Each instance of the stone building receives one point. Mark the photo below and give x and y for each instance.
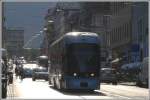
(120, 34)
(14, 41)
(115, 22)
(139, 48)
(60, 19)
(95, 18)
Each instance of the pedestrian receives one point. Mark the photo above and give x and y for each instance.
(16, 71)
(21, 72)
(17, 63)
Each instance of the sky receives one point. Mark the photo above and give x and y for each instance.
(28, 15)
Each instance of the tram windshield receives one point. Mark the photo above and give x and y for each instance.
(83, 58)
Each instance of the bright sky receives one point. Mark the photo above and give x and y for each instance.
(29, 15)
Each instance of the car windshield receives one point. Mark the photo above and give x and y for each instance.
(41, 70)
(27, 69)
(108, 71)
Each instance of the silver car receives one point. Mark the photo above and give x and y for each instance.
(40, 73)
(108, 75)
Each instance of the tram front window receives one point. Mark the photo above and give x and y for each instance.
(83, 58)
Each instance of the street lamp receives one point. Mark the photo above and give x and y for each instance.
(45, 29)
(50, 21)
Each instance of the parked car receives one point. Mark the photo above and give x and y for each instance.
(142, 79)
(40, 73)
(108, 75)
(129, 72)
(28, 72)
(132, 67)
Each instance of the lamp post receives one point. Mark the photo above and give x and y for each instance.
(45, 48)
(106, 23)
(49, 30)
(50, 21)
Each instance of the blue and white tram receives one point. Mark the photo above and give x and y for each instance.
(75, 61)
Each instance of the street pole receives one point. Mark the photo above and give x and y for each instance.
(0, 48)
(45, 50)
(48, 38)
(105, 23)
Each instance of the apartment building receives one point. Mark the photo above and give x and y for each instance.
(14, 41)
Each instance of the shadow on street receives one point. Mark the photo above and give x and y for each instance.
(79, 92)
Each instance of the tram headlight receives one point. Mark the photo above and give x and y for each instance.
(92, 74)
(74, 74)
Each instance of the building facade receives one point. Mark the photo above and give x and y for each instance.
(3, 28)
(120, 34)
(95, 17)
(15, 41)
(60, 19)
(120, 25)
(140, 31)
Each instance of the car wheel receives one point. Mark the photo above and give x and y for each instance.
(114, 83)
(139, 83)
(49, 81)
(147, 83)
(33, 79)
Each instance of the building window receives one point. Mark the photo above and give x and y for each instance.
(114, 35)
(117, 31)
(117, 34)
(113, 31)
(120, 33)
(140, 29)
(122, 28)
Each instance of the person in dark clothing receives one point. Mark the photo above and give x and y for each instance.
(16, 71)
(21, 73)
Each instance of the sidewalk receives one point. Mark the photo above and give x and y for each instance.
(11, 93)
(11, 88)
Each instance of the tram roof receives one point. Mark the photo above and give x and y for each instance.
(80, 33)
(75, 34)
